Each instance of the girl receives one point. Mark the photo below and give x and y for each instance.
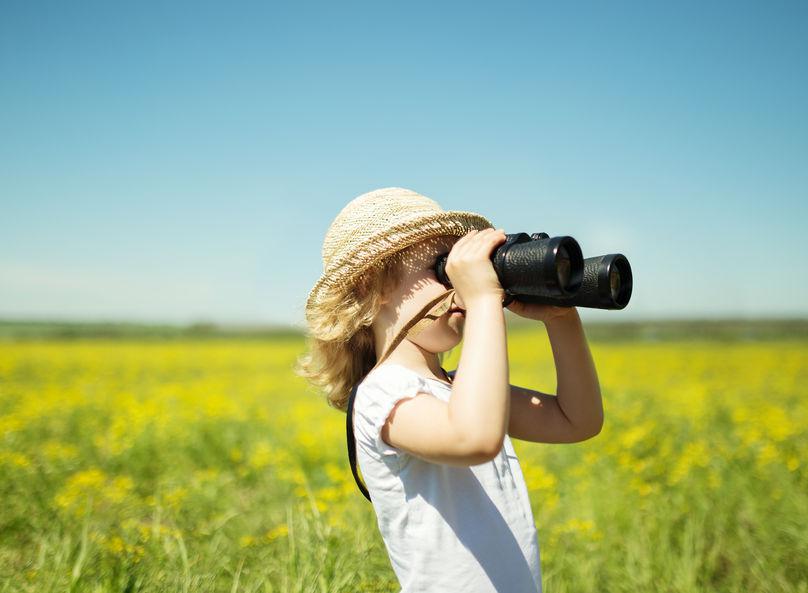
(444, 479)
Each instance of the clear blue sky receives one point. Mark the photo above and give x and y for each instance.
(182, 161)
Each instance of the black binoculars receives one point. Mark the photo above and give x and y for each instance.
(552, 271)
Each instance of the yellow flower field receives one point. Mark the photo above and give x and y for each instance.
(208, 466)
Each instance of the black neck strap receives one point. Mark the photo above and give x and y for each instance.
(352, 441)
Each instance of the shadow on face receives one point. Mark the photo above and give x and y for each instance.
(416, 263)
(418, 285)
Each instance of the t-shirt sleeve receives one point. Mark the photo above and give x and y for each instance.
(375, 399)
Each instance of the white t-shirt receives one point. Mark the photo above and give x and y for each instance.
(446, 528)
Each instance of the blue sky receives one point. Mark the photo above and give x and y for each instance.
(182, 161)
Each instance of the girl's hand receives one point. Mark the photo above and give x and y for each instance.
(543, 313)
(470, 269)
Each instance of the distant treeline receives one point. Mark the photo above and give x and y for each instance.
(14, 330)
(663, 330)
(722, 330)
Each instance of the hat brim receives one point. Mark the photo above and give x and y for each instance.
(345, 269)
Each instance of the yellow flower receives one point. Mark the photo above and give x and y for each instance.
(58, 451)
(115, 545)
(277, 532)
(13, 459)
(261, 455)
(538, 478)
(174, 497)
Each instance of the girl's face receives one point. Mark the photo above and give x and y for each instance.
(419, 285)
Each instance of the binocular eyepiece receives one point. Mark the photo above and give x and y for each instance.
(552, 271)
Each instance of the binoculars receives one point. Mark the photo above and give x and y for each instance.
(552, 271)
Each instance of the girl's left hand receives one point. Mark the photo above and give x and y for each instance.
(543, 313)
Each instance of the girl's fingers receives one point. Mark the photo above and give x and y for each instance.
(464, 239)
(480, 239)
(490, 241)
(467, 236)
(488, 237)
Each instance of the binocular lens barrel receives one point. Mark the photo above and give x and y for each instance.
(549, 267)
(607, 284)
(563, 267)
(539, 269)
(621, 281)
(614, 282)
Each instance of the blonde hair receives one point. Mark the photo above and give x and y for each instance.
(341, 343)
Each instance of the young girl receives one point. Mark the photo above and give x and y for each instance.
(435, 453)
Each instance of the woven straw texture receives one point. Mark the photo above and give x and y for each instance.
(378, 224)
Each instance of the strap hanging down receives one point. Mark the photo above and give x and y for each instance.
(352, 441)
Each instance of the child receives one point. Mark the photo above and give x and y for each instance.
(444, 479)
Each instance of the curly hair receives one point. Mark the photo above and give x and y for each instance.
(340, 339)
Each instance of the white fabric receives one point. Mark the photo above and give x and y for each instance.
(446, 528)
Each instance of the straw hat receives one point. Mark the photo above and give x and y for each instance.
(377, 224)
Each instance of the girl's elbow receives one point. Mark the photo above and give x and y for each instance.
(594, 429)
(477, 445)
(489, 449)
(599, 423)
(482, 445)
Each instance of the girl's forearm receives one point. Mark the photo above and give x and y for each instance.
(480, 403)
(578, 390)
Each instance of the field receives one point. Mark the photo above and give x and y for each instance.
(195, 464)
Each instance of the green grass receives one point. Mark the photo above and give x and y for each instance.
(202, 464)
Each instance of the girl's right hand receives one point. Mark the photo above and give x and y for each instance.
(470, 269)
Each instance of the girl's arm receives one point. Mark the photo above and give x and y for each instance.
(470, 427)
(576, 413)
